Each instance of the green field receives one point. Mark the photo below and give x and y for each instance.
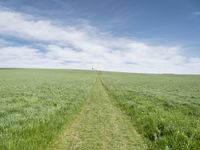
(37, 104)
(163, 108)
(90, 110)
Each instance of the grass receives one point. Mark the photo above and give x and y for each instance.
(100, 126)
(71, 109)
(37, 104)
(163, 108)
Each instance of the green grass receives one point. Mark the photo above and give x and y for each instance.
(164, 108)
(100, 126)
(39, 107)
(36, 104)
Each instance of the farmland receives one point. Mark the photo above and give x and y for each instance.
(37, 104)
(71, 109)
(163, 108)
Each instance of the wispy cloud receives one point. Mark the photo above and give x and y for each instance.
(196, 13)
(84, 47)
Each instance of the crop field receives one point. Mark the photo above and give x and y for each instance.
(91, 110)
(165, 109)
(36, 104)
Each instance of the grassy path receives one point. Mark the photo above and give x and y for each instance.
(99, 126)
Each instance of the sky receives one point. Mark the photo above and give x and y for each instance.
(142, 36)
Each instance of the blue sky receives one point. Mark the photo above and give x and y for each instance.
(157, 36)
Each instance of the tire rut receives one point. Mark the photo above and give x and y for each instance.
(99, 126)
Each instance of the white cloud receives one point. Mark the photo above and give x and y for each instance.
(75, 47)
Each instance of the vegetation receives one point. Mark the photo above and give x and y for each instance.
(100, 126)
(164, 108)
(69, 109)
(36, 104)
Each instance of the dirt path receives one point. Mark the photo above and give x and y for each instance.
(99, 126)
